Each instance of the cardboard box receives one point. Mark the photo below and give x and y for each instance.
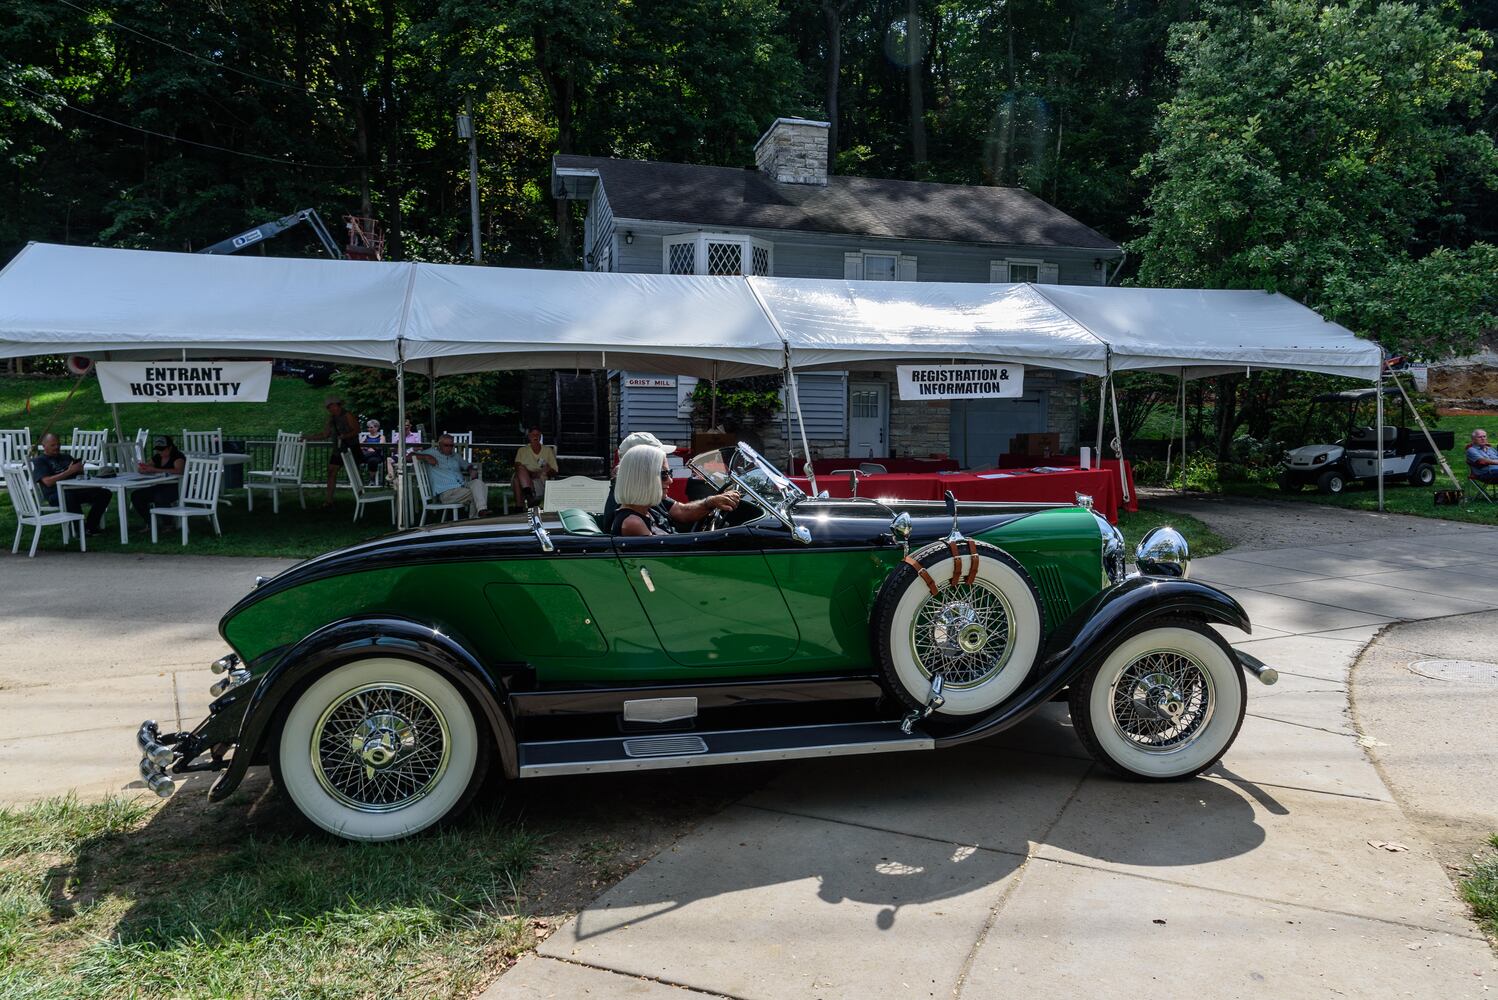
(1040, 443)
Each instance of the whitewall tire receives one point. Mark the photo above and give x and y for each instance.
(379, 749)
(1166, 702)
(981, 632)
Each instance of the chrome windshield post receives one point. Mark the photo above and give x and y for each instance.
(541, 536)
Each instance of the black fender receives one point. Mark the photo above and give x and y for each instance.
(352, 638)
(1093, 630)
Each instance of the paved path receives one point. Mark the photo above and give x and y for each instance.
(1017, 868)
(91, 646)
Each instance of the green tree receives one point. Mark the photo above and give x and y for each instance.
(1319, 149)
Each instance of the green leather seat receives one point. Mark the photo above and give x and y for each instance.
(579, 522)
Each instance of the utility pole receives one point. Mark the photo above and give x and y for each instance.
(466, 131)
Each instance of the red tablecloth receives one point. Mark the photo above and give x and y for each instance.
(827, 466)
(1011, 486)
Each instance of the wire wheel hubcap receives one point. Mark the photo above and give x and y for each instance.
(380, 747)
(965, 631)
(1162, 701)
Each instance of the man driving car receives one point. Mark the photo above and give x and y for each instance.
(644, 508)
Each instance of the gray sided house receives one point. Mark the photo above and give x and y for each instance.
(789, 218)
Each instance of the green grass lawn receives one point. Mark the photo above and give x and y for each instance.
(1202, 540)
(40, 403)
(1480, 890)
(189, 899)
(293, 533)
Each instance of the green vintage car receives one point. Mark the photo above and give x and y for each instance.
(384, 681)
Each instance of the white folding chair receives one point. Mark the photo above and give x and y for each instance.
(463, 444)
(202, 482)
(22, 492)
(362, 494)
(20, 443)
(285, 470)
(88, 447)
(575, 491)
(142, 441)
(428, 501)
(872, 469)
(203, 442)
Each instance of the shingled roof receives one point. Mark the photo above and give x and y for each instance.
(857, 206)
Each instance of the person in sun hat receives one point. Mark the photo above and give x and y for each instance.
(343, 430)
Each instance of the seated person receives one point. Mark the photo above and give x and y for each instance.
(644, 509)
(165, 458)
(1482, 458)
(634, 440)
(452, 479)
(534, 464)
(372, 458)
(54, 465)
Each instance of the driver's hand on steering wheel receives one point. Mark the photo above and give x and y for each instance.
(727, 500)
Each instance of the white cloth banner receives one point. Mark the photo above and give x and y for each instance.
(184, 381)
(973, 381)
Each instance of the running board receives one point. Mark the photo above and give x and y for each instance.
(734, 746)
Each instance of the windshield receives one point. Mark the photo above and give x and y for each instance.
(750, 471)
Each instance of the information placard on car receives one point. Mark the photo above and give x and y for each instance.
(978, 380)
(184, 381)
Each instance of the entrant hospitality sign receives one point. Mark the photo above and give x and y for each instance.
(184, 381)
(970, 381)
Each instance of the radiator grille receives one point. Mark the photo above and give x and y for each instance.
(664, 746)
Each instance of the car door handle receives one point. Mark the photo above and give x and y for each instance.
(649, 583)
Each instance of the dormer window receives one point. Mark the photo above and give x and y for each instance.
(717, 253)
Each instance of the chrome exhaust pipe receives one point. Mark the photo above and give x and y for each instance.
(223, 685)
(157, 753)
(1263, 671)
(156, 779)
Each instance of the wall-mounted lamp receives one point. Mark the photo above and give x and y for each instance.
(629, 237)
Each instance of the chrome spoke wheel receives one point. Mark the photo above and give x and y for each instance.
(964, 631)
(380, 747)
(1162, 701)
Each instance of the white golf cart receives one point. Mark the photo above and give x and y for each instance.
(1331, 467)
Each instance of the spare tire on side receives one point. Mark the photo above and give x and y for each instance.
(967, 610)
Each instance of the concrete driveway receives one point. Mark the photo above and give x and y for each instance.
(1017, 868)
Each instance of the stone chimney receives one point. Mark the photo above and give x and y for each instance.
(794, 151)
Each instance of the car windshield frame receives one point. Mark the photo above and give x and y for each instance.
(755, 476)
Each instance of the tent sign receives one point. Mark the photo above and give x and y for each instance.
(972, 381)
(184, 381)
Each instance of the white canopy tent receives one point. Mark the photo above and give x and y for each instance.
(454, 318)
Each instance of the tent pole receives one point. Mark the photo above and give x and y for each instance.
(1102, 400)
(432, 403)
(114, 408)
(1378, 438)
(790, 380)
(1183, 430)
(1123, 479)
(401, 479)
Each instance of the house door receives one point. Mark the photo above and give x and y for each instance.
(981, 428)
(868, 419)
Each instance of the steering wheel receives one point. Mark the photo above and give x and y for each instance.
(712, 522)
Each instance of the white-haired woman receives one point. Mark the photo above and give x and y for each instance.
(640, 489)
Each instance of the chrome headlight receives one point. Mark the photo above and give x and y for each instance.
(1115, 566)
(1163, 552)
(1321, 457)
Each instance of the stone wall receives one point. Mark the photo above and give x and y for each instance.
(794, 151)
(1469, 382)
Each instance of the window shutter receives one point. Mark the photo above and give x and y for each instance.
(853, 266)
(907, 268)
(998, 270)
(1050, 273)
